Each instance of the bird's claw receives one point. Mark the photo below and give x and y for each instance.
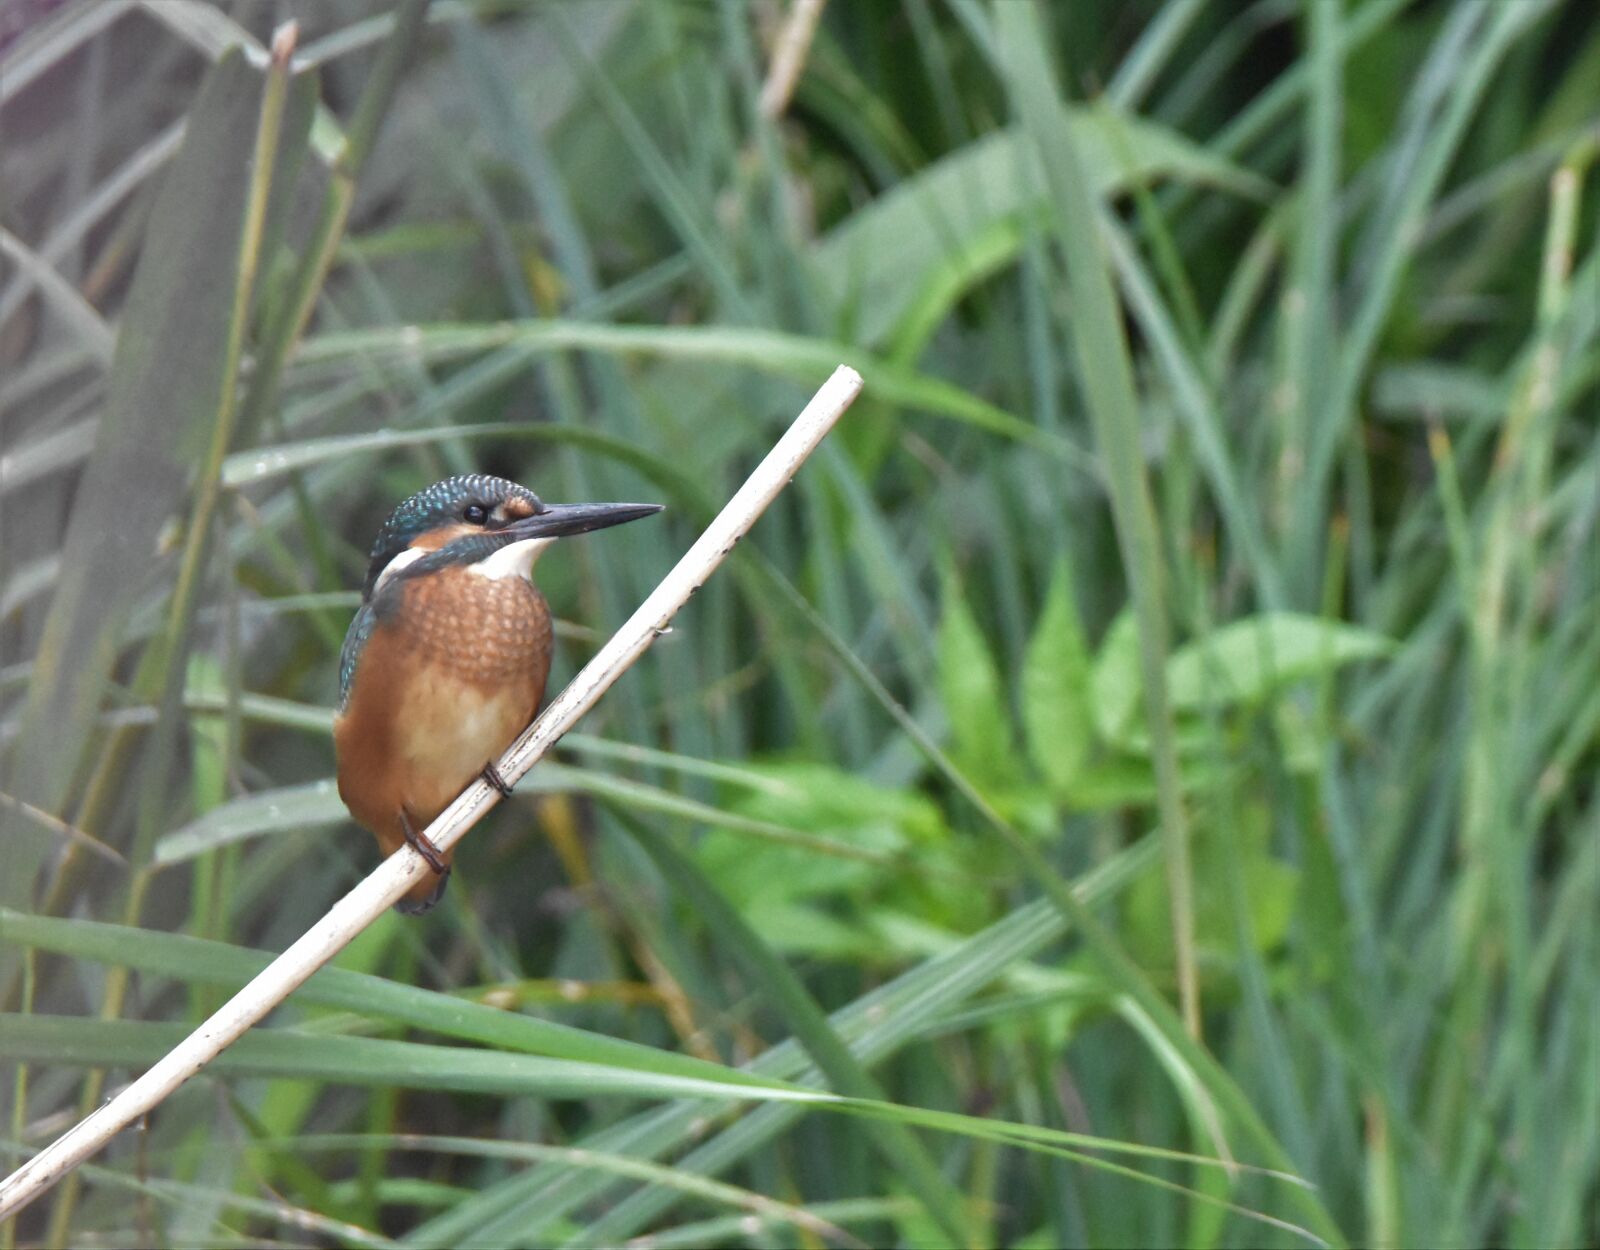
(491, 774)
(423, 846)
(413, 907)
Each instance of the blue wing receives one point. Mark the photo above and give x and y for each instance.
(355, 640)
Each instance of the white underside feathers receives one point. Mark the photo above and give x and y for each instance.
(409, 556)
(512, 560)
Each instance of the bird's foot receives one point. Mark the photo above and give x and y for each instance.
(421, 907)
(491, 774)
(423, 845)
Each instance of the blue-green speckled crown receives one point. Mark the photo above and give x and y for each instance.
(443, 503)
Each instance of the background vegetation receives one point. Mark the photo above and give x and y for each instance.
(1164, 718)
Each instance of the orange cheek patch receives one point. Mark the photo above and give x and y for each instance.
(443, 536)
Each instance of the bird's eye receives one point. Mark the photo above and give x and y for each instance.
(475, 514)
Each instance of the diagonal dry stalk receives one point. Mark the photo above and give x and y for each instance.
(789, 56)
(397, 874)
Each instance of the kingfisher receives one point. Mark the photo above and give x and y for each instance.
(446, 660)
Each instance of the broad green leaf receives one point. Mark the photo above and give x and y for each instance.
(1114, 781)
(289, 808)
(881, 257)
(1441, 392)
(1238, 663)
(215, 35)
(974, 705)
(822, 797)
(824, 802)
(767, 351)
(365, 1061)
(1270, 887)
(1244, 661)
(1115, 680)
(797, 929)
(271, 811)
(1056, 702)
(166, 378)
(208, 783)
(264, 463)
(760, 877)
(198, 961)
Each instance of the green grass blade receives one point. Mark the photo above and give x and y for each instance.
(810, 1025)
(1107, 378)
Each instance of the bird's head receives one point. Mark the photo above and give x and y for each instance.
(489, 523)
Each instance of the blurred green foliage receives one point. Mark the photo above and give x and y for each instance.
(1342, 693)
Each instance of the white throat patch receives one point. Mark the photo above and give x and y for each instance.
(409, 556)
(512, 560)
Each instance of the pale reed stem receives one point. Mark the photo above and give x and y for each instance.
(398, 873)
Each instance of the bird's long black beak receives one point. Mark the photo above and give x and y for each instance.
(560, 519)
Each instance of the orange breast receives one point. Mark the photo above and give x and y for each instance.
(451, 674)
